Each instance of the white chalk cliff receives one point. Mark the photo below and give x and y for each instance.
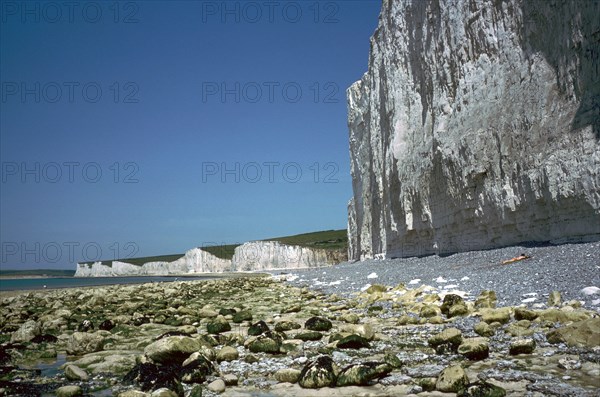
(194, 261)
(477, 125)
(272, 255)
(251, 256)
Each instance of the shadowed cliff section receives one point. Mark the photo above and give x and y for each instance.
(567, 33)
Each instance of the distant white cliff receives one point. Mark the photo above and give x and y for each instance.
(248, 257)
(272, 255)
(194, 261)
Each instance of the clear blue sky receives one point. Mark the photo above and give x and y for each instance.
(118, 125)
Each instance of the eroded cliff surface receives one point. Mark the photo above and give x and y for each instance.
(477, 125)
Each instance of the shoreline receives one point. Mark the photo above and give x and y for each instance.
(186, 277)
(28, 277)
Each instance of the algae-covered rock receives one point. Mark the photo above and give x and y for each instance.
(522, 346)
(196, 368)
(364, 330)
(362, 374)
(309, 335)
(258, 328)
(376, 288)
(450, 336)
(562, 316)
(26, 332)
(286, 325)
(584, 333)
(554, 299)
(458, 310)
(428, 311)
(69, 391)
(227, 353)
(482, 389)
(486, 299)
(449, 301)
(452, 379)
(218, 325)
(525, 314)
(353, 342)
(318, 324)
(475, 348)
(392, 360)
(318, 373)
(484, 329)
(289, 375)
(73, 372)
(172, 349)
(150, 377)
(501, 315)
(265, 344)
(244, 315)
(80, 343)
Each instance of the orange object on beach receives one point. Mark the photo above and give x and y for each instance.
(516, 259)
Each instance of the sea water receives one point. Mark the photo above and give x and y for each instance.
(70, 282)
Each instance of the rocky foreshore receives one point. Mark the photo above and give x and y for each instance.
(262, 336)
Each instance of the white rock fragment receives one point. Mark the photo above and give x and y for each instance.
(372, 275)
(415, 281)
(590, 290)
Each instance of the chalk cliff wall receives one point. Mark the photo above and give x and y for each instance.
(194, 261)
(271, 255)
(252, 256)
(477, 125)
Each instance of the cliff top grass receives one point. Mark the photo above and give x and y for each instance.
(326, 239)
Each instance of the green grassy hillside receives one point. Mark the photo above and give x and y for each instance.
(327, 239)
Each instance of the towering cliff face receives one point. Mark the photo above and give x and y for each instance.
(194, 261)
(271, 255)
(477, 125)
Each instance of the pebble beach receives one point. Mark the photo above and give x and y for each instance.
(460, 325)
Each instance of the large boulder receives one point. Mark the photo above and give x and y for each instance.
(584, 333)
(362, 374)
(475, 348)
(172, 349)
(196, 368)
(318, 373)
(80, 343)
(318, 324)
(449, 338)
(26, 332)
(73, 372)
(452, 379)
